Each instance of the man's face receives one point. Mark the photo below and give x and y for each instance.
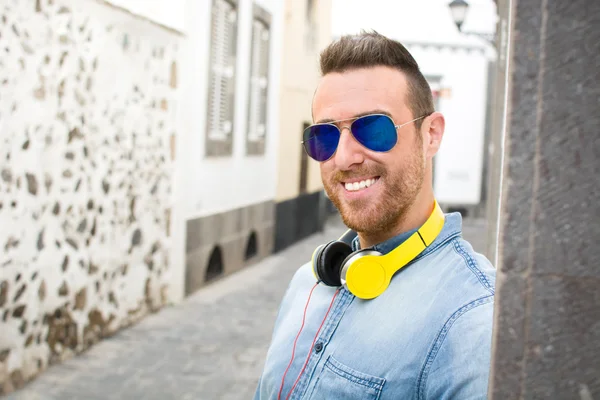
(398, 174)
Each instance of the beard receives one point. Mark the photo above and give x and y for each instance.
(399, 190)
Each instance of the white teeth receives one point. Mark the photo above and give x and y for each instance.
(352, 187)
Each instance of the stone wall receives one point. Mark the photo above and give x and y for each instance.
(547, 328)
(87, 115)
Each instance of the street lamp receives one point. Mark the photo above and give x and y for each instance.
(458, 9)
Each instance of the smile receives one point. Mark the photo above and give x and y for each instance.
(359, 185)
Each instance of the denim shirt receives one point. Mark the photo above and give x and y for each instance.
(428, 336)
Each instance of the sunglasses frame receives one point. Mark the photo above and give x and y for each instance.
(354, 119)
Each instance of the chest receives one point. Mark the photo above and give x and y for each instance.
(361, 350)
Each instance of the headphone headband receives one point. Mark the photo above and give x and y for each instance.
(368, 276)
(428, 231)
(367, 273)
(348, 237)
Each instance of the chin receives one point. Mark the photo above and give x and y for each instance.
(362, 219)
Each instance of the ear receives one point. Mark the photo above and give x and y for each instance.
(433, 131)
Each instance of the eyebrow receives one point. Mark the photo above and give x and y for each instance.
(377, 111)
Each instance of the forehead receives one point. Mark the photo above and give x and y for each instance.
(348, 94)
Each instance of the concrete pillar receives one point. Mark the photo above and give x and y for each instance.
(494, 143)
(547, 327)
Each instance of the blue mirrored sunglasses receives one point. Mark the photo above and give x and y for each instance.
(376, 132)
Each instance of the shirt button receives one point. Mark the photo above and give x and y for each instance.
(318, 347)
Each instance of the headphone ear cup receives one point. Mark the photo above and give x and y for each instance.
(329, 262)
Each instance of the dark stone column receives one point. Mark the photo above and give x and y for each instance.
(547, 328)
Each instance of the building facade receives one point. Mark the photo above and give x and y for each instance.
(138, 162)
(227, 180)
(301, 205)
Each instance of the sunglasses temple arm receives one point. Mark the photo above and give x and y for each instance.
(406, 123)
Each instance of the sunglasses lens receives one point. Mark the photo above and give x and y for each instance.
(375, 132)
(320, 141)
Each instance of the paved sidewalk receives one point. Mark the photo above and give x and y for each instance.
(212, 346)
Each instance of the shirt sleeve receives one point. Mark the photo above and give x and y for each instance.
(258, 389)
(460, 367)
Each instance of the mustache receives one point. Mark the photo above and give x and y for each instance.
(340, 176)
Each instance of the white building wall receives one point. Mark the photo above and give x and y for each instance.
(220, 184)
(170, 13)
(463, 102)
(208, 185)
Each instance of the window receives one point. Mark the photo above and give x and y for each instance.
(219, 126)
(259, 82)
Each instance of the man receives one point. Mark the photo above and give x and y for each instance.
(426, 332)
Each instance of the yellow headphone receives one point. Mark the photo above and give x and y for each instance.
(367, 273)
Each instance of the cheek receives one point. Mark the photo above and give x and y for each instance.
(410, 148)
(326, 168)
(392, 160)
(398, 161)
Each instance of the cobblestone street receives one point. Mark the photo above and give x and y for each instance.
(212, 346)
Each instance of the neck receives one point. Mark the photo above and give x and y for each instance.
(416, 215)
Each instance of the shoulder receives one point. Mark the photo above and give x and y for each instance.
(302, 281)
(467, 280)
(303, 277)
(464, 285)
(475, 262)
(458, 360)
(456, 256)
(460, 263)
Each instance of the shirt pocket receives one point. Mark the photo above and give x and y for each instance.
(337, 381)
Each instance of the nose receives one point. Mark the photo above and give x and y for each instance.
(349, 152)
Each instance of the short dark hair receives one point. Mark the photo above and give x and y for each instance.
(370, 49)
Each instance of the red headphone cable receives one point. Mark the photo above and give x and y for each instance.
(311, 347)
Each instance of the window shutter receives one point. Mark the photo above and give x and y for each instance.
(259, 79)
(219, 132)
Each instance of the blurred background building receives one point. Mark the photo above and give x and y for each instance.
(150, 147)
(459, 69)
(301, 204)
(144, 154)
(229, 149)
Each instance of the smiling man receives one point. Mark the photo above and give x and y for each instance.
(401, 306)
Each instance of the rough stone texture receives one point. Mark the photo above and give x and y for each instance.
(563, 337)
(85, 177)
(547, 337)
(212, 346)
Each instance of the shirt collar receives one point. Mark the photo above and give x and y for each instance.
(452, 227)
